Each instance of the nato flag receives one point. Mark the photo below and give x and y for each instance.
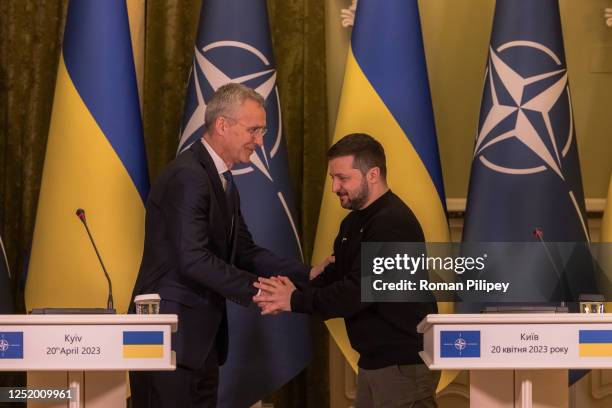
(233, 45)
(525, 171)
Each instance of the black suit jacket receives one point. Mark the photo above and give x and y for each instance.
(195, 256)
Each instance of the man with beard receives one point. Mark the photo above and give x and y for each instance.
(391, 373)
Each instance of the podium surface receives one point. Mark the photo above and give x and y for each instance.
(510, 341)
(517, 359)
(71, 351)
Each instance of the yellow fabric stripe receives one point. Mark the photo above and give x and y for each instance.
(595, 350)
(361, 110)
(143, 351)
(82, 170)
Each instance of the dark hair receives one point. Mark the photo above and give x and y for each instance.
(367, 152)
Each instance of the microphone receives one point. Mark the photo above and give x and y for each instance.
(81, 214)
(539, 234)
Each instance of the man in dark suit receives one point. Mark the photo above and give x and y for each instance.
(198, 251)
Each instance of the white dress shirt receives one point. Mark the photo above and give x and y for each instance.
(219, 163)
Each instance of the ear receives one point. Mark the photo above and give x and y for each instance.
(373, 175)
(221, 125)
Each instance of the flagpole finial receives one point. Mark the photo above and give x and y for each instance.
(348, 15)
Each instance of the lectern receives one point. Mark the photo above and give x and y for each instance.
(88, 354)
(517, 360)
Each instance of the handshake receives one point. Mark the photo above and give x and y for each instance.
(274, 295)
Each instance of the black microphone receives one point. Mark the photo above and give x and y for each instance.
(81, 214)
(539, 234)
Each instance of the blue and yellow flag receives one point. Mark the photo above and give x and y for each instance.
(386, 94)
(595, 343)
(143, 344)
(95, 160)
(234, 45)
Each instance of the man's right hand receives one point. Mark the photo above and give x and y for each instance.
(275, 296)
(316, 270)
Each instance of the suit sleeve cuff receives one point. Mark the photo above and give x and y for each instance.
(301, 301)
(302, 277)
(247, 298)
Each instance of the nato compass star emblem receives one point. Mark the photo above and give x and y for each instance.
(11, 345)
(533, 110)
(4, 345)
(261, 76)
(204, 68)
(460, 344)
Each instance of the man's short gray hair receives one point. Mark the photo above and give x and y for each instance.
(227, 99)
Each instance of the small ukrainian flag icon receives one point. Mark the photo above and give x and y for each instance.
(143, 344)
(595, 343)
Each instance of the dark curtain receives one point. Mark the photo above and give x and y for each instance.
(29, 53)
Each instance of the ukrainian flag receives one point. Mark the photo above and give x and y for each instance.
(386, 94)
(143, 344)
(595, 343)
(95, 160)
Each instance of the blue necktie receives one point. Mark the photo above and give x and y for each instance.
(229, 195)
(229, 185)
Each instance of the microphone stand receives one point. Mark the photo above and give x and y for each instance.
(539, 234)
(109, 303)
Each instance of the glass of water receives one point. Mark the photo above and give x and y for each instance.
(147, 303)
